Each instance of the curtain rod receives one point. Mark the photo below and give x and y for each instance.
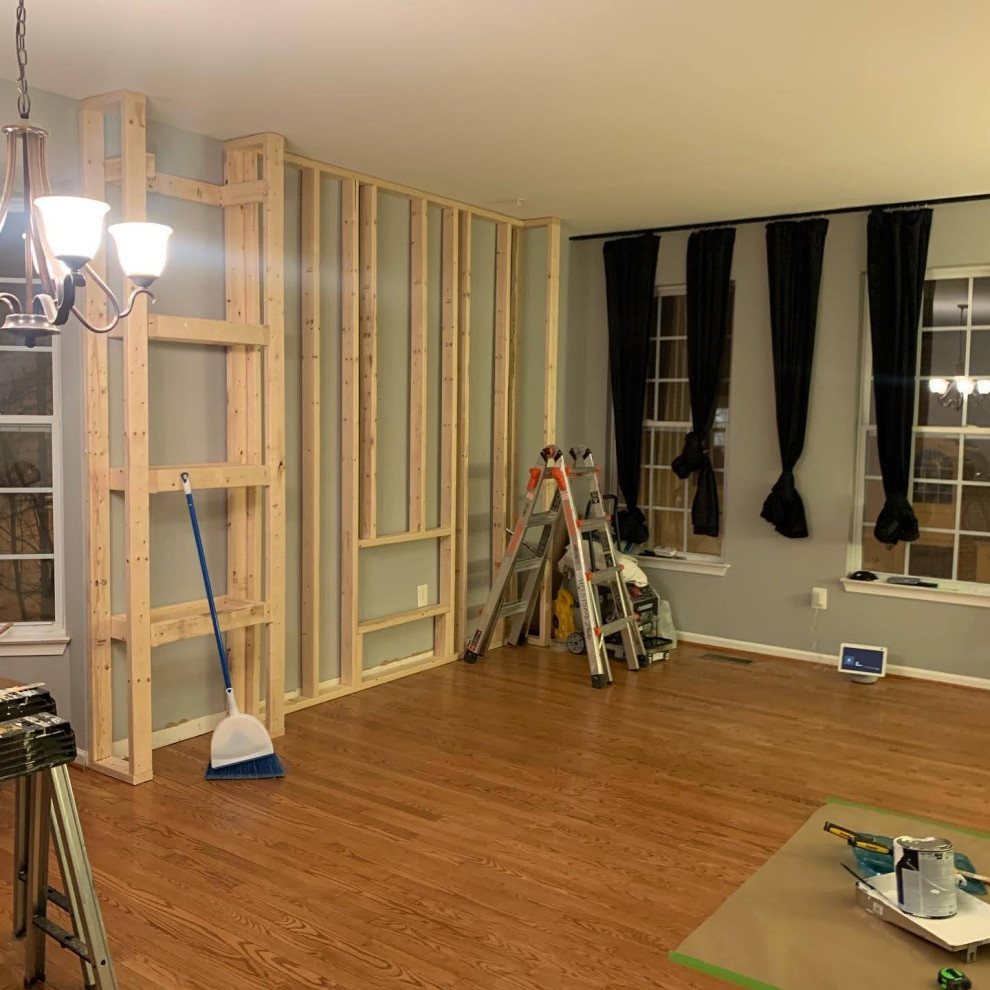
(782, 216)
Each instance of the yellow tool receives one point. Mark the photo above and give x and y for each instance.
(563, 615)
(857, 840)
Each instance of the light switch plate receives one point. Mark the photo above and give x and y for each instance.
(423, 595)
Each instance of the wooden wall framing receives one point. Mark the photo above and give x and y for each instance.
(252, 612)
(254, 473)
(359, 414)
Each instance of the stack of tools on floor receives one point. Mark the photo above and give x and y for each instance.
(36, 746)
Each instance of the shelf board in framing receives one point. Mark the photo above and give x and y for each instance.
(400, 618)
(199, 330)
(166, 478)
(172, 623)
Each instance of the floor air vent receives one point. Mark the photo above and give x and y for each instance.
(725, 658)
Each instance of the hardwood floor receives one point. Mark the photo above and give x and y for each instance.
(502, 825)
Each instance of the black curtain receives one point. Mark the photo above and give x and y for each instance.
(897, 252)
(709, 264)
(630, 277)
(794, 265)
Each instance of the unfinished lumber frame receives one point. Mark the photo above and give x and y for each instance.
(418, 363)
(444, 623)
(253, 474)
(502, 403)
(359, 413)
(252, 198)
(463, 433)
(311, 434)
(550, 332)
(359, 422)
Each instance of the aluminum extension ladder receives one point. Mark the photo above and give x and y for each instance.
(46, 810)
(527, 560)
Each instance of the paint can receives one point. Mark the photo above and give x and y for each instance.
(926, 876)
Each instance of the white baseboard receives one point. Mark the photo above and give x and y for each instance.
(895, 669)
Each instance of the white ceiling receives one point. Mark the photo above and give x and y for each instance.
(607, 113)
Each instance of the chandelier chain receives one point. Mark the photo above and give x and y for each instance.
(20, 36)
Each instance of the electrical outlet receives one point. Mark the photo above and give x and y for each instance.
(819, 598)
(423, 595)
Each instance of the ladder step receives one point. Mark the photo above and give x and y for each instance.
(593, 524)
(579, 471)
(59, 900)
(617, 624)
(526, 564)
(543, 518)
(512, 608)
(605, 576)
(64, 938)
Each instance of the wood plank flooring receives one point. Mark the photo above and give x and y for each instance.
(500, 826)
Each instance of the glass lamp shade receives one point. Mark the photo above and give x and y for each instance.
(983, 386)
(964, 385)
(142, 249)
(73, 227)
(938, 386)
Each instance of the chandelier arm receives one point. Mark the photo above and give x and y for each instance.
(11, 301)
(132, 298)
(118, 315)
(45, 184)
(89, 326)
(8, 180)
(110, 297)
(91, 273)
(42, 255)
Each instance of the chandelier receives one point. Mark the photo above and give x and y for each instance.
(951, 391)
(63, 234)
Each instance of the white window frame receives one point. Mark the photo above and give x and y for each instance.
(951, 591)
(42, 638)
(697, 563)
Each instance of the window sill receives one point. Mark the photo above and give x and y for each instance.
(948, 596)
(714, 568)
(37, 645)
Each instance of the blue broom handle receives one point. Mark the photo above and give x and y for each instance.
(206, 580)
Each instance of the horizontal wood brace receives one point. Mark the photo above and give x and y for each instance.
(186, 620)
(219, 475)
(411, 537)
(401, 618)
(193, 190)
(197, 330)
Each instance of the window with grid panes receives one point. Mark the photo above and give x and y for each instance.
(29, 469)
(664, 498)
(950, 487)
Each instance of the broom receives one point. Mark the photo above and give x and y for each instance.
(241, 748)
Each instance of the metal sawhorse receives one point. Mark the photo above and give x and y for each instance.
(46, 810)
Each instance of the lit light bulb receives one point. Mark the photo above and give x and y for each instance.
(142, 249)
(964, 385)
(938, 386)
(983, 386)
(73, 227)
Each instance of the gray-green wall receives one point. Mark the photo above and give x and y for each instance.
(765, 596)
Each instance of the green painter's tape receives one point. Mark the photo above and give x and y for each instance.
(903, 814)
(718, 972)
